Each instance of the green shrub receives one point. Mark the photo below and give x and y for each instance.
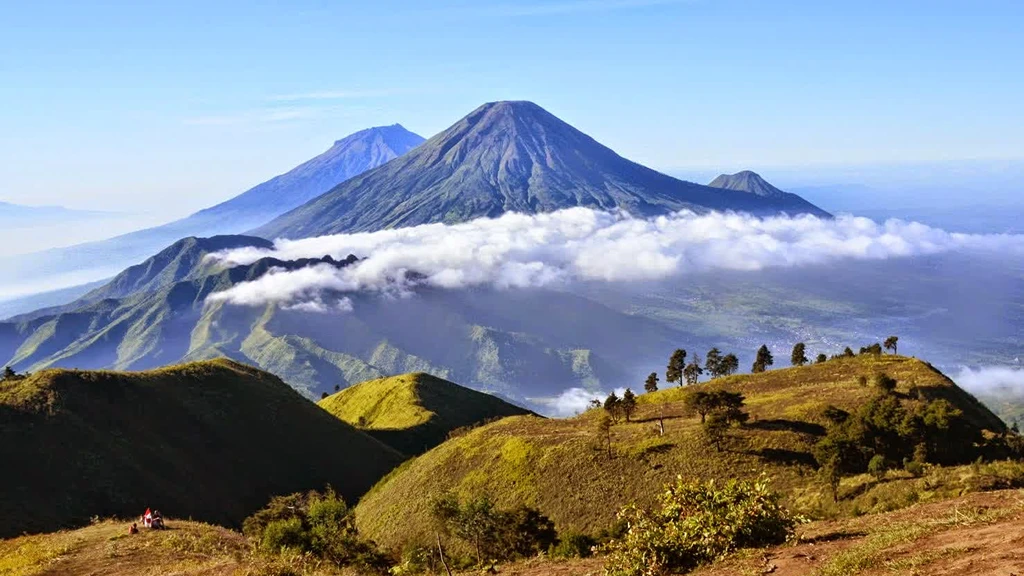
(877, 466)
(573, 545)
(699, 523)
(494, 534)
(281, 535)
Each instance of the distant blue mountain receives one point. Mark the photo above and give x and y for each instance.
(347, 158)
(22, 216)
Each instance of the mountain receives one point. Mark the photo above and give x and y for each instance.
(561, 466)
(65, 267)
(21, 216)
(751, 182)
(208, 440)
(507, 156)
(415, 412)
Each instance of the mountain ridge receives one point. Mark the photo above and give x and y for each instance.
(507, 156)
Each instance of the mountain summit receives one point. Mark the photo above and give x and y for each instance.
(747, 181)
(502, 157)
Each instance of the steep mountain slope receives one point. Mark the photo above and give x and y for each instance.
(414, 412)
(747, 181)
(562, 467)
(522, 343)
(211, 440)
(507, 156)
(95, 260)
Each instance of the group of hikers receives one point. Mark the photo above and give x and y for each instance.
(151, 519)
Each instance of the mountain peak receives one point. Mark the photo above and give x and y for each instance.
(391, 133)
(508, 156)
(747, 181)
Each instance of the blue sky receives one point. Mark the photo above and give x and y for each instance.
(170, 107)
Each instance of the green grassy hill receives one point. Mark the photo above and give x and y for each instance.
(562, 467)
(208, 440)
(415, 412)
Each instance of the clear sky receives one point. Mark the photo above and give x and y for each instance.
(172, 106)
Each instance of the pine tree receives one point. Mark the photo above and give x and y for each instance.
(890, 343)
(799, 356)
(604, 430)
(728, 365)
(676, 364)
(628, 403)
(763, 361)
(692, 372)
(651, 385)
(613, 405)
(713, 362)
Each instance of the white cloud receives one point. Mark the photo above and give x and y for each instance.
(518, 250)
(571, 402)
(999, 380)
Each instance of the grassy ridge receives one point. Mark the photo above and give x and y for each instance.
(209, 440)
(561, 466)
(414, 412)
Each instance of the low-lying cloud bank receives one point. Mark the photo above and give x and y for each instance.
(992, 380)
(571, 402)
(518, 250)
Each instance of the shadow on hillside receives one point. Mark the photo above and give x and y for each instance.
(833, 537)
(788, 457)
(787, 425)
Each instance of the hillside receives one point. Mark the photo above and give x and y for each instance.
(208, 440)
(562, 468)
(414, 412)
(348, 157)
(503, 157)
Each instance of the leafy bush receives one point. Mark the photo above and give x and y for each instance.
(316, 524)
(698, 523)
(877, 466)
(494, 534)
(573, 545)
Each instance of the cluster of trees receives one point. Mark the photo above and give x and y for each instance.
(719, 410)
(10, 374)
(492, 533)
(314, 525)
(886, 433)
(717, 364)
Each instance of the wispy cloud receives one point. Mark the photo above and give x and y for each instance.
(579, 6)
(273, 115)
(333, 95)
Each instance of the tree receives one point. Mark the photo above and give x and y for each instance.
(337, 387)
(714, 429)
(700, 402)
(821, 358)
(10, 374)
(890, 343)
(799, 355)
(875, 349)
(676, 365)
(693, 371)
(831, 472)
(763, 361)
(713, 361)
(877, 466)
(729, 364)
(848, 352)
(628, 403)
(323, 395)
(613, 405)
(651, 385)
(604, 429)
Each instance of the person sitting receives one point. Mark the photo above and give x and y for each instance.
(133, 529)
(147, 519)
(158, 520)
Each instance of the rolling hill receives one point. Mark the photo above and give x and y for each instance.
(415, 412)
(92, 261)
(209, 440)
(562, 468)
(502, 157)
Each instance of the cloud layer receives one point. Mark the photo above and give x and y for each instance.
(992, 380)
(518, 250)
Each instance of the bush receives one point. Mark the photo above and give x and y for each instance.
(573, 545)
(877, 466)
(494, 534)
(320, 525)
(699, 523)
